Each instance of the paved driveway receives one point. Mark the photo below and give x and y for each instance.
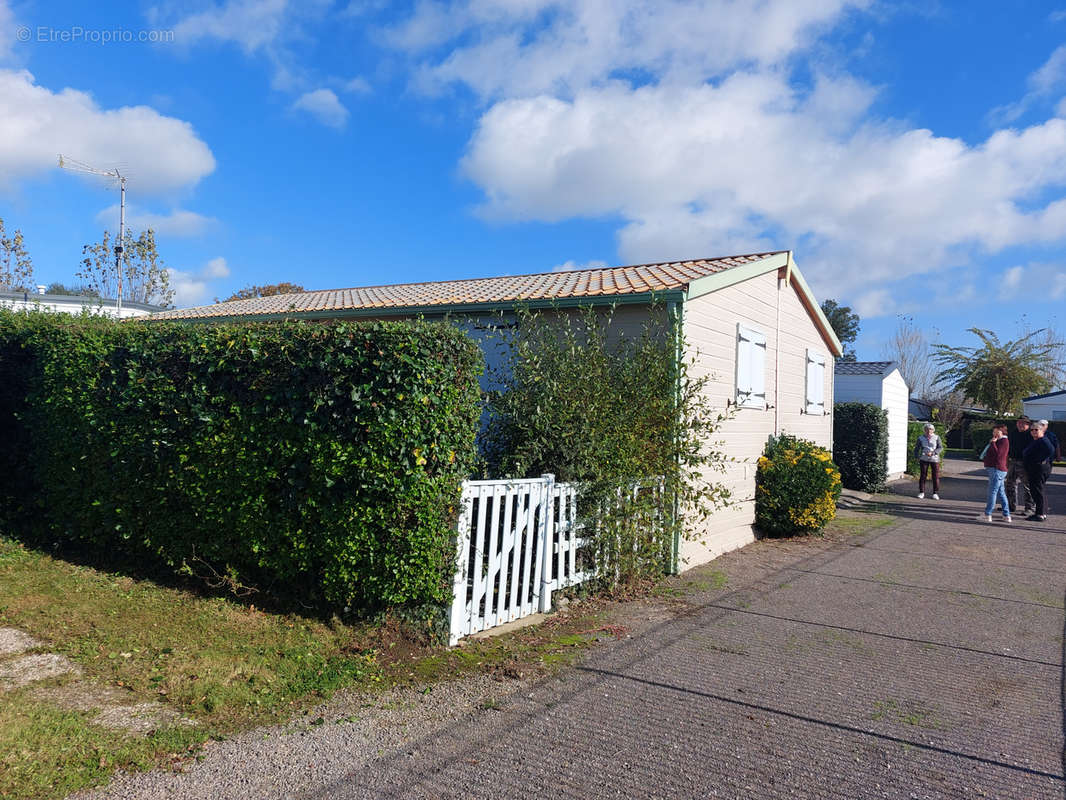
(923, 662)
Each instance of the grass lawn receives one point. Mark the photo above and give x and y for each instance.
(224, 664)
(227, 665)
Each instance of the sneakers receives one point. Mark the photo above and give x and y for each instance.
(921, 495)
(936, 496)
(1036, 517)
(985, 517)
(1007, 520)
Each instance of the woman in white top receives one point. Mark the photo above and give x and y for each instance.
(927, 450)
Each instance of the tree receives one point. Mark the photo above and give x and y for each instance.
(74, 290)
(845, 324)
(271, 289)
(909, 348)
(16, 267)
(999, 374)
(948, 409)
(145, 279)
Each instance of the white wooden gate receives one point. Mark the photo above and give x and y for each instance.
(518, 541)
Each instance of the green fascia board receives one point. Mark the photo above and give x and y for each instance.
(816, 308)
(665, 296)
(729, 277)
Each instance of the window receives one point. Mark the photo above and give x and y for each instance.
(751, 368)
(815, 383)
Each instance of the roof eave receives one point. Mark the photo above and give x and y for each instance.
(663, 296)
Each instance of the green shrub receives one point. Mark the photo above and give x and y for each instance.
(980, 436)
(860, 445)
(796, 487)
(315, 461)
(914, 430)
(578, 398)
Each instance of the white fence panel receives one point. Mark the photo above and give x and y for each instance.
(518, 542)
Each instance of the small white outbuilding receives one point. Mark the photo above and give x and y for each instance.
(1048, 406)
(880, 383)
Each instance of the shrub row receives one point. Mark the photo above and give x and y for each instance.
(914, 430)
(319, 461)
(860, 445)
(796, 487)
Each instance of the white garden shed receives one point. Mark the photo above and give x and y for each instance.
(880, 383)
(1048, 406)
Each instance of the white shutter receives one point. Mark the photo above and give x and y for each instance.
(815, 383)
(751, 368)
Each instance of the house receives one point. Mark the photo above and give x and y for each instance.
(72, 304)
(880, 383)
(751, 324)
(1046, 406)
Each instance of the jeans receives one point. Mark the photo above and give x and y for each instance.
(996, 491)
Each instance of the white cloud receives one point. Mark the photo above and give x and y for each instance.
(752, 164)
(1039, 281)
(192, 288)
(1012, 279)
(216, 268)
(521, 48)
(358, 85)
(158, 153)
(1045, 83)
(178, 222)
(324, 106)
(569, 265)
(251, 24)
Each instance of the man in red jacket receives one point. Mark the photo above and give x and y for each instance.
(996, 466)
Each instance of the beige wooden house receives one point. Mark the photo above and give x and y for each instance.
(751, 322)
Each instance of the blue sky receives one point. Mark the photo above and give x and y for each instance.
(913, 155)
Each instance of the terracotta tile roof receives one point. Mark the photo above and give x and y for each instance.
(604, 282)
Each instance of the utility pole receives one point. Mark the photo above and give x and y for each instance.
(114, 174)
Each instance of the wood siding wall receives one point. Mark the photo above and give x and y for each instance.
(710, 324)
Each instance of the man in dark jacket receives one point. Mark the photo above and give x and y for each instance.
(1037, 460)
(1017, 478)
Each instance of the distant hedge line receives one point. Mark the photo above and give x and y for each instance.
(321, 461)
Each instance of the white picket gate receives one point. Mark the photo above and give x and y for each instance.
(518, 541)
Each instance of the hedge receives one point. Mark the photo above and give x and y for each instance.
(860, 445)
(321, 461)
(914, 430)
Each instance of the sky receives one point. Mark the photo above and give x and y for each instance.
(912, 155)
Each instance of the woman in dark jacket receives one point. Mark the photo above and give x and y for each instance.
(1037, 460)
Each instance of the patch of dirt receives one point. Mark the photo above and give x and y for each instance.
(13, 641)
(38, 667)
(143, 718)
(81, 696)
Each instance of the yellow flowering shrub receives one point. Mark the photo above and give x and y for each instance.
(797, 486)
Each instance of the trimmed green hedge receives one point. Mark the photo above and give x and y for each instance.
(796, 487)
(860, 445)
(316, 461)
(914, 430)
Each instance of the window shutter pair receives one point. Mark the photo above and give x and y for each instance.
(815, 383)
(751, 368)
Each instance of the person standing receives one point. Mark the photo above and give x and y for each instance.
(1037, 459)
(1017, 478)
(995, 462)
(927, 450)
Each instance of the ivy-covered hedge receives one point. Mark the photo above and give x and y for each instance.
(860, 445)
(319, 461)
(796, 487)
(914, 430)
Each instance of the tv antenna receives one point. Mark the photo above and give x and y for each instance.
(78, 166)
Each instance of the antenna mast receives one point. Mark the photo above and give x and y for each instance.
(78, 166)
